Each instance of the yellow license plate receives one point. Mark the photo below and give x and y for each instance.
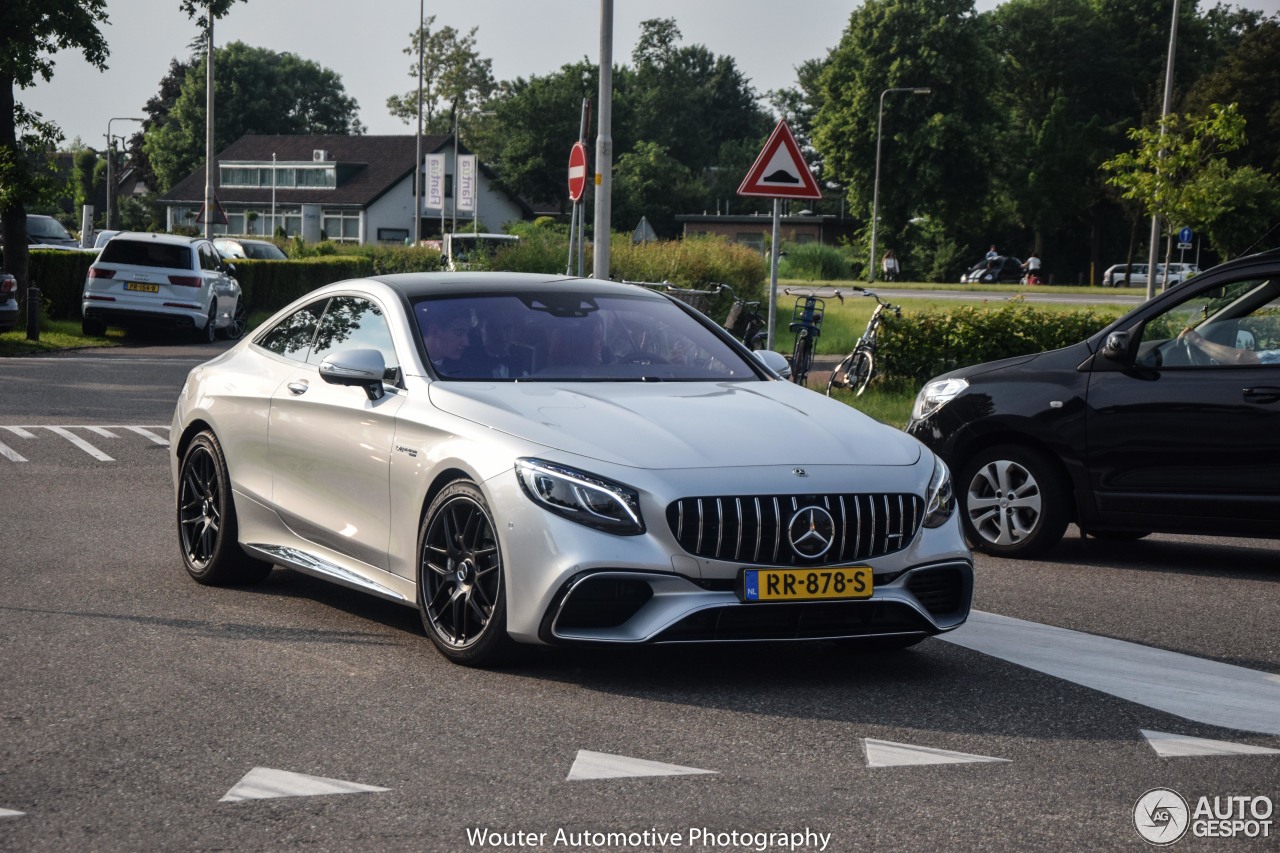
(142, 288)
(816, 584)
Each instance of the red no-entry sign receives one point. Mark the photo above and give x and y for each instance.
(577, 171)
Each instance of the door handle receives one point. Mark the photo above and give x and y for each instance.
(297, 387)
(1263, 394)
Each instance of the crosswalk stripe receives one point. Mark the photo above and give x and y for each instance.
(20, 432)
(102, 431)
(80, 443)
(146, 433)
(11, 454)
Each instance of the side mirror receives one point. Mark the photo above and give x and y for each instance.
(358, 367)
(229, 268)
(775, 361)
(1116, 346)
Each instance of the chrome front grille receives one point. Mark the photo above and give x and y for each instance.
(752, 529)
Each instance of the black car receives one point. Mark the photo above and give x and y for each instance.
(1167, 420)
(1005, 269)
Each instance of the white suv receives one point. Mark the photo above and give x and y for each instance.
(1178, 273)
(163, 280)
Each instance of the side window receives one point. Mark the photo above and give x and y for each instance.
(292, 336)
(1228, 325)
(208, 257)
(351, 323)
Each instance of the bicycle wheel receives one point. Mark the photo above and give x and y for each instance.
(840, 376)
(864, 365)
(802, 358)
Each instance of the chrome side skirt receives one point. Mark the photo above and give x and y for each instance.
(312, 565)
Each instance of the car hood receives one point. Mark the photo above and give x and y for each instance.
(681, 425)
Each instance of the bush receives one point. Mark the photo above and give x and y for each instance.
(60, 276)
(813, 262)
(917, 347)
(691, 262)
(269, 285)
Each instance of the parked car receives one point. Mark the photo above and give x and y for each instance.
(163, 280)
(465, 250)
(8, 302)
(1143, 427)
(1004, 269)
(1178, 273)
(101, 239)
(257, 250)
(45, 231)
(546, 460)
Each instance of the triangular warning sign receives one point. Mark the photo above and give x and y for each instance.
(217, 215)
(1183, 746)
(264, 783)
(602, 765)
(886, 753)
(780, 170)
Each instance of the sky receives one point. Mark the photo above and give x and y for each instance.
(363, 40)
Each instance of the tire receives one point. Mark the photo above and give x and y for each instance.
(206, 513)
(840, 376)
(1013, 501)
(461, 582)
(206, 334)
(239, 322)
(864, 366)
(92, 328)
(802, 359)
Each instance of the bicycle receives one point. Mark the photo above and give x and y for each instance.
(806, 324)
(859, 367)
(744, 320)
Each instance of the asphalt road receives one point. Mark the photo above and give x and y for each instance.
(140, 711)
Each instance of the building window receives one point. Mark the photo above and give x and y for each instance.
(259, 177)
(341, 225)
(754, 239)
(393, 235)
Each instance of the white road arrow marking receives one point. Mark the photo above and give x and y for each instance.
(1182, 746)
(1206, 691)
(602, 765)
(262, 783)
(886, 753)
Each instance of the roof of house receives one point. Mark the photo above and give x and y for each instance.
(371, 166)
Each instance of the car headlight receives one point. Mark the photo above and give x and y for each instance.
(936, 394)
(942, 497)
(581, 497)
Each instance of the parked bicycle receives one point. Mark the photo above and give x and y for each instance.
(806, 324)
(744, 320)
(859, 367)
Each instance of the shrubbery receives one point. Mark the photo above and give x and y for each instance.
(814, 262)
(269, 285)
(919, 346)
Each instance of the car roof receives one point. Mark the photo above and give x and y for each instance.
(173, 239)
(415, 285)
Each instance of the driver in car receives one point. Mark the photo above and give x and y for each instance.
(1224, 354)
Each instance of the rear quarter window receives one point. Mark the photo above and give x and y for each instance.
(147, 254)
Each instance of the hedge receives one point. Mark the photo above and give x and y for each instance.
(919, 346)
(270, 285)
(60, 275)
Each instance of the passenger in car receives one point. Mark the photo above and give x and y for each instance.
(446, 332)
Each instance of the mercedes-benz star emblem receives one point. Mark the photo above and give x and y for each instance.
(811, 532)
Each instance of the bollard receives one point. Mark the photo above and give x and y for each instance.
(33, 313)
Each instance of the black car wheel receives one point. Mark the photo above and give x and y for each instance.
(461, 594)
(206, 334)
(1014, 502)
(239, 322)
(207, 528)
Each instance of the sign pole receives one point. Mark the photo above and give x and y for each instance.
(773, 270)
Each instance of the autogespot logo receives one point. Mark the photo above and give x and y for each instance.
(1160, 816)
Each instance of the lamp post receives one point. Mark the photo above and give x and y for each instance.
(1153, 248)
(110, 184)
(875, 192)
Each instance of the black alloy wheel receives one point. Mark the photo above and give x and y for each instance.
(207, 527)
(461, 595)
(239, 322)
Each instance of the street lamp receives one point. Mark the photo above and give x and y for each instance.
(875, 193)
(110, 184)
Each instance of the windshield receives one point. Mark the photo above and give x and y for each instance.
(566, 336)
(46, 229)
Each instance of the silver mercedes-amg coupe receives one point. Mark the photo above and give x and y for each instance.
(547, 460)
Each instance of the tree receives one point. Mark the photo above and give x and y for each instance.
(1249, 77)
(1177, 165)
(257, 91)
(453, 75)
(650, 182)
(31, 32)
(936, 150)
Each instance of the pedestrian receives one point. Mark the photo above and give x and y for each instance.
(1031, 268)
(992, 254)
(889, 266)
